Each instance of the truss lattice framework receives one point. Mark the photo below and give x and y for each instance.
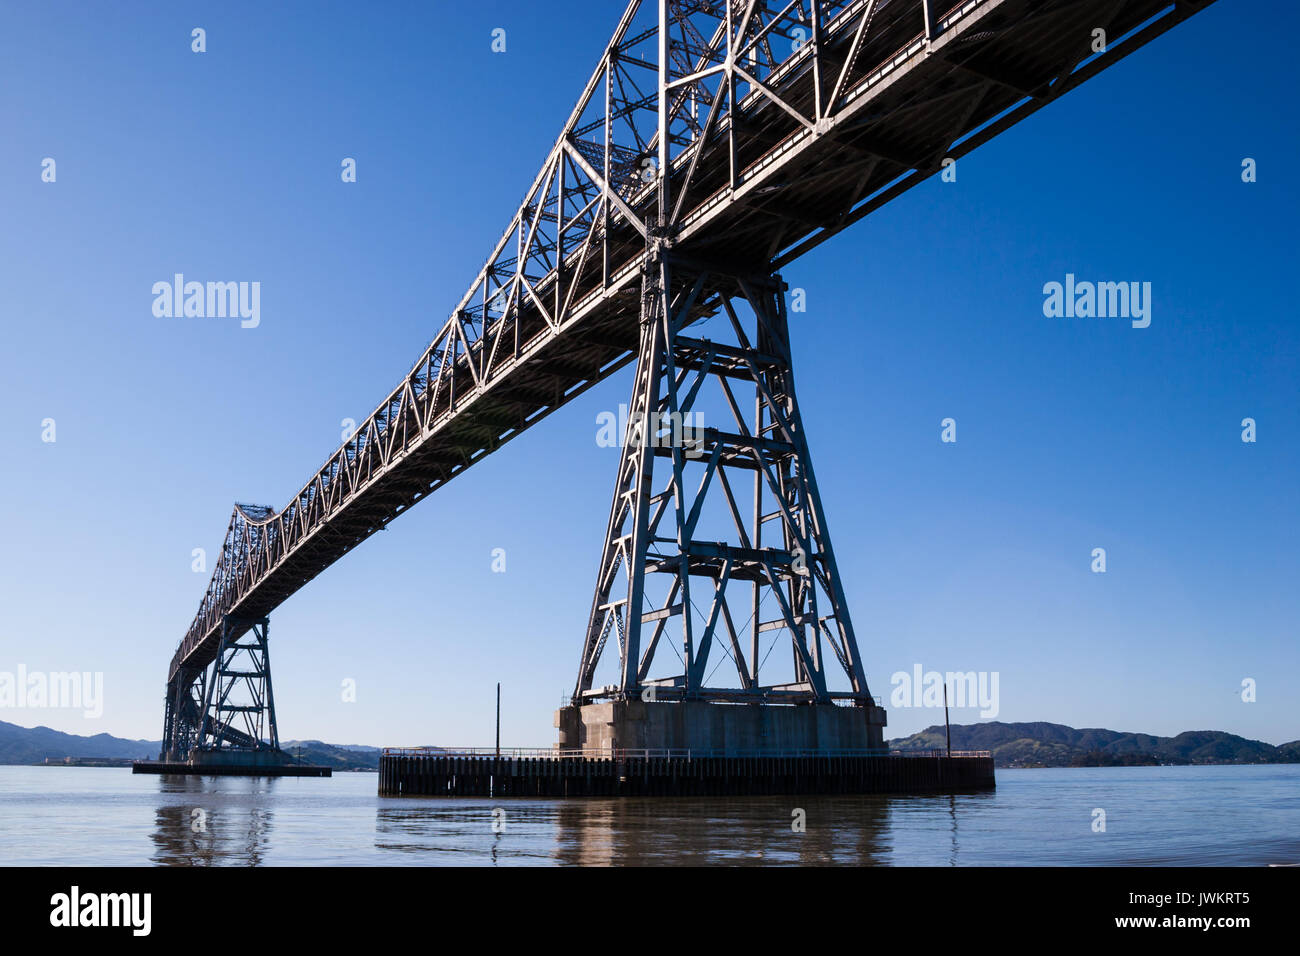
(758, 469)
(748, 129)
(230, 705)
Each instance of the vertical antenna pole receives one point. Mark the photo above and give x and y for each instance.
(946, 727)
(664, 199)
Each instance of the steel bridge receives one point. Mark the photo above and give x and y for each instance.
(715, 142)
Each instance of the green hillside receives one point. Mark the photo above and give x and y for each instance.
(1056, 745)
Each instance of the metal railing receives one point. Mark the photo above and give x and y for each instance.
(553, 753)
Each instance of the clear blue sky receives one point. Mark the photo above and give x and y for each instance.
(1072, 433)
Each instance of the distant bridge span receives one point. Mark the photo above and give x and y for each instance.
(737, 135)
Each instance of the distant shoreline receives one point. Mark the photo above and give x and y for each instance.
(1021, 746)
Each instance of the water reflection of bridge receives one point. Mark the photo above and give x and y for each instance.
(206, 821)
(245, 822)
(854, 831)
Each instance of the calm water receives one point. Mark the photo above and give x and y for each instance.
(1156, 815)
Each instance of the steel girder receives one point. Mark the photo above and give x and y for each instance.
(742, 129)
(779, 546)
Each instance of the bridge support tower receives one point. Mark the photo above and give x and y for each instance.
(729, 555)
(225, 714)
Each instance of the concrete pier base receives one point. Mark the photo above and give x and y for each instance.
(229, 770)
(241, 758)
(270, 762)
(705, 726)
(684, 748)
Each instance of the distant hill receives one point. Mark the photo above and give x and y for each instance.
(1013, 745)
(1056, 745)
(34, 745)
(28, 745)
(333, 755)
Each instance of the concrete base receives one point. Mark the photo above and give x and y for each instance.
(241, 758)
(229, 770)
(232, 763)
(717, 727)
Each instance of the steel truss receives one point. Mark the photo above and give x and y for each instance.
(780, 555)
(753, 129)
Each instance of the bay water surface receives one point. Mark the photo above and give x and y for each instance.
(1230, 815)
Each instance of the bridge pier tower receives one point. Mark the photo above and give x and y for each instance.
(730, 554)
(225, 714)
(185, 693)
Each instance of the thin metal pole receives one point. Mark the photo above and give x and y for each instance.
(496, 760)
(270, 693)
(665, 206)
(946, 727)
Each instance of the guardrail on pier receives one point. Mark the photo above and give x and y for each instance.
(535, 753)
